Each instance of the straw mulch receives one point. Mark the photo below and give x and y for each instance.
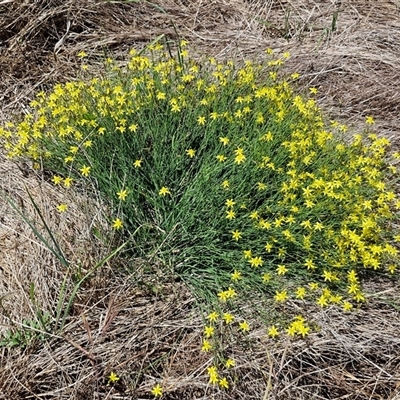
(146, 326)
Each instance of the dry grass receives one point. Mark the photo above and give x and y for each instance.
(146, 327)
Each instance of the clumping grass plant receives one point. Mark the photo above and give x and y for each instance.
(227, 175)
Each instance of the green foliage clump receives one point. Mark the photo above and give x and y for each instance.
(29, 331)
(225, 173)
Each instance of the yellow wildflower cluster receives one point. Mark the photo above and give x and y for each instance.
(224, 168)
(212, 338)
(298, 327)
(215, 379)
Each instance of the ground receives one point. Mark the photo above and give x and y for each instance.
(147, 323)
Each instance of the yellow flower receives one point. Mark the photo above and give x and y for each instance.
(213, 317)
(236, 275)
(133, 128)
(281, 270)
(212, 371)
(336, 299)
(229, 363)
(214, 115)
(347, 306)
(227, 294)
(224, 140)
(208, 331)
(396, 238)
(117, 224)
(206, 346)
(230, 214)
(318, 226)
(352, 276)
(300, 293)
(229, 203)
(309, 264)
(298, 327)
(391, 268)
(266, 277)
(369, 120)
(221, 157)
(191, 153)
(247, 254)
(223, 383)
(121, 128)
(273, 332)
(313, 90)
(281, 252)
(122, 194)
(201, 120)
(294, 209)
(67, 182)
(353, 288)
(306, 224)
(188, 78)
(228, 318)
(303, 330)
(157, 390)
(62, 208)
(244, 326)
(225, 184)
(85, 170)
(329, 276)
(256, 262)
(213, 374)
(230, 293)
(240, 158)
(322, 301)
(281, 296)
(223, 296)
(254, 215)
(236, 235)
(137, 163)
(359, 296)
(300, 318)
(260, 118)
(175, 108)
(113, 377)
(57, 179)
(279, 221)
(164, 191)
(367, 205)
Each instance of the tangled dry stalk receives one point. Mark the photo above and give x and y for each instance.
(348, 49)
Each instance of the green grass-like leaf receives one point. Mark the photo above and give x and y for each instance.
(224, 168)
